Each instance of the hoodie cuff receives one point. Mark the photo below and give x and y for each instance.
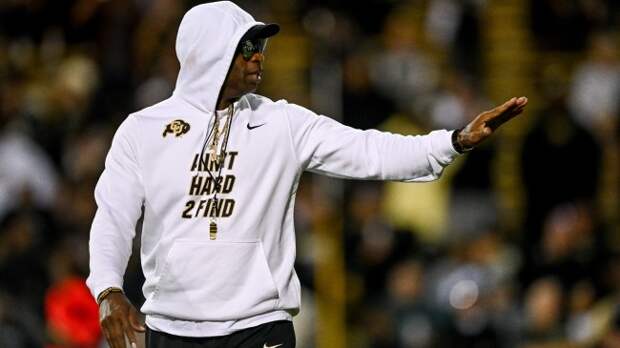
(98, 286)
(445, 151)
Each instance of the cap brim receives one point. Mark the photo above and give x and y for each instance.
(261, 31)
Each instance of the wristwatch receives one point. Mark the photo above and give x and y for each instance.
(455, 143)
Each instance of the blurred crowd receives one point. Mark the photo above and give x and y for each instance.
(425, 265)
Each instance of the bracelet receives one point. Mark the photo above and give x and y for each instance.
(106, 292)
(456, 145)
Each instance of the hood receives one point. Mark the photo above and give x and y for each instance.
(205, 46)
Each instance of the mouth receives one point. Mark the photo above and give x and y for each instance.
(256, 75)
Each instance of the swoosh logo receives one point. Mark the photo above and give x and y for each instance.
(250, 128)
(265, 345)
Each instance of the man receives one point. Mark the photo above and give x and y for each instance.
(215, 169)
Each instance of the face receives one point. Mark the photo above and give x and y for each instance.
(245, 75)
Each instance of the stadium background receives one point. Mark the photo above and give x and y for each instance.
(518, 245)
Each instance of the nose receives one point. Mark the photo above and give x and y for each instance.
(258, 56)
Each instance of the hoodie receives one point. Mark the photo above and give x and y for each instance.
(196, 286)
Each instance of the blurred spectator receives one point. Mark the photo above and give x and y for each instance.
(472, 290)
(560, 160)
(413, 318)
(72, 314)
(84, 154)
(457, 103)
(28, 177)
(566, 249)
(594, 98)
(23, 279)
(455, 26)
(22, 243)
(580, 323)
(544, 301)
(68, 102)
(373, 243)
(14, 332)
(611, 338)
(400, 69)
(363, 106)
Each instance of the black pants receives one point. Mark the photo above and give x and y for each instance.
(277, 334)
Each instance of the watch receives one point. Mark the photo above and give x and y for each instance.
(457, 146)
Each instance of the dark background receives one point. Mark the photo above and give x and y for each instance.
(518, 244)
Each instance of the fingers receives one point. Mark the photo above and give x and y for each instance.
(117, 326)
(505, 112)
(516, 111)
(510, 103)
(135, 322)
(131, 335)
(521, 101)
(114, 332)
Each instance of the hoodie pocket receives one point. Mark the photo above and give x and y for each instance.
(215, 280)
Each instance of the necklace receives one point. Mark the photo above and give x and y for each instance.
(217, 159)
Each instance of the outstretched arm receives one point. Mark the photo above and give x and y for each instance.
(324, 146)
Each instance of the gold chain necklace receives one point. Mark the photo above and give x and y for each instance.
(218, 158)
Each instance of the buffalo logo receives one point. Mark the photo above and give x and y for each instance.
(176, 127)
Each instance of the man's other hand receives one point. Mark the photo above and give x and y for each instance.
(119, 319)
(487, 122)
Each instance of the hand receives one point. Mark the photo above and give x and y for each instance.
(487, 122)
(119, 318)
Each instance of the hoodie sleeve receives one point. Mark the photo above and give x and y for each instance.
(325, 146)
(119, 195)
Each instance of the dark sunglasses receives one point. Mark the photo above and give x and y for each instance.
(248, 48)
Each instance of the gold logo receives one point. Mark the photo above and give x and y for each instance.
(176, 127)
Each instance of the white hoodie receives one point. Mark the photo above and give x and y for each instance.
(200, 287)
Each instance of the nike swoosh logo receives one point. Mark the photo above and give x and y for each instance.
(265, 345)
(250, 128)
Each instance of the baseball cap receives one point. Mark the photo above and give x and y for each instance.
(261, 31)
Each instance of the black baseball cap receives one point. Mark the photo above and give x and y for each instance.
(261, 31)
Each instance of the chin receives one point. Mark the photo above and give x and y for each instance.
(252, 87)
(251, 84)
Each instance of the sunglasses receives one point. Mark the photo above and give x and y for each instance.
(248, 48)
